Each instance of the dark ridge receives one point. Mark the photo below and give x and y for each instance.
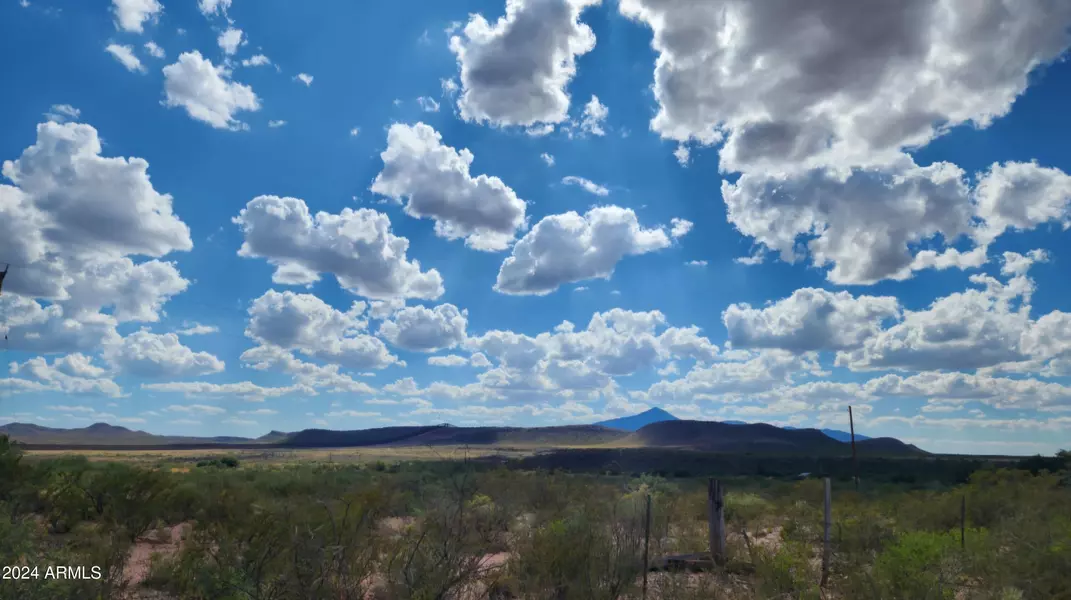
(326, 438)
(712, 436)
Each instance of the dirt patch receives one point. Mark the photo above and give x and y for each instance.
(394, 526)
(166, 541)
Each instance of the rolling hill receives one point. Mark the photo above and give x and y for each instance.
(708, 436)
(713, 436)
(656, 415)
(104, 434)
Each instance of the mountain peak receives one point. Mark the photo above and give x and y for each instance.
(634, 422)
(105, 427)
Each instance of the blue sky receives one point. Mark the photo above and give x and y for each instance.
(227, 217)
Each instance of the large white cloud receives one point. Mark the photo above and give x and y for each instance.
(33, 327)
(69, 229)
(870, 224)
(1021, 196)
(761, 373)
(958, 388)
(515, 71)
(426, 330)
(136, 292)
(570, 247)
(866, 225)
(329, 377)
(357, 247)
(207, 92)
(81, 203)
(151, 355)
(434, 180)
(567, 361)
(964, 330)
(793, 85)
(70, 374)
(817, 102)
(130, 15)
(809, 319)
(307, 324)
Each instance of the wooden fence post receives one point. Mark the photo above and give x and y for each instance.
(716, 520)
(826, 548)
(646, 546)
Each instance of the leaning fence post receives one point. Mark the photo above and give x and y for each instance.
(646, 545)
(716, 520)
(826, 549)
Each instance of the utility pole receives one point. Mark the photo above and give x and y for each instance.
(855, 458)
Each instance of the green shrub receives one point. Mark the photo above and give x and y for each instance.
(919, 565)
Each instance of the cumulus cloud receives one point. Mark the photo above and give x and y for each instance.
(328, 377)
(68, 226)
(150, 355)
(595, 114)
(959, 388)
(547, 158)
(680, 227)
(761, 373)
(70, 374)
(820, 135)
(130, 15)
(153, 49)
(865, 226)
(964, 330)
(212, 7)
(791, 85)
(229, 40)
(257, 60)
(207, 92)
(422, 329)
(587, 185)
(515, 71)
(809, 320)
(304, 78)
(32, 327)
(570, 247)
(435, 183)
(125, 56)
(450, 360)
(683, 155)
(84, 202)
(357, 247)
(305, 323)
(576, 364)
(1021, 196)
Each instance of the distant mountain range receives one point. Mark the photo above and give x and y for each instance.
(655, 428)
(657, 415)
(105, 434)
